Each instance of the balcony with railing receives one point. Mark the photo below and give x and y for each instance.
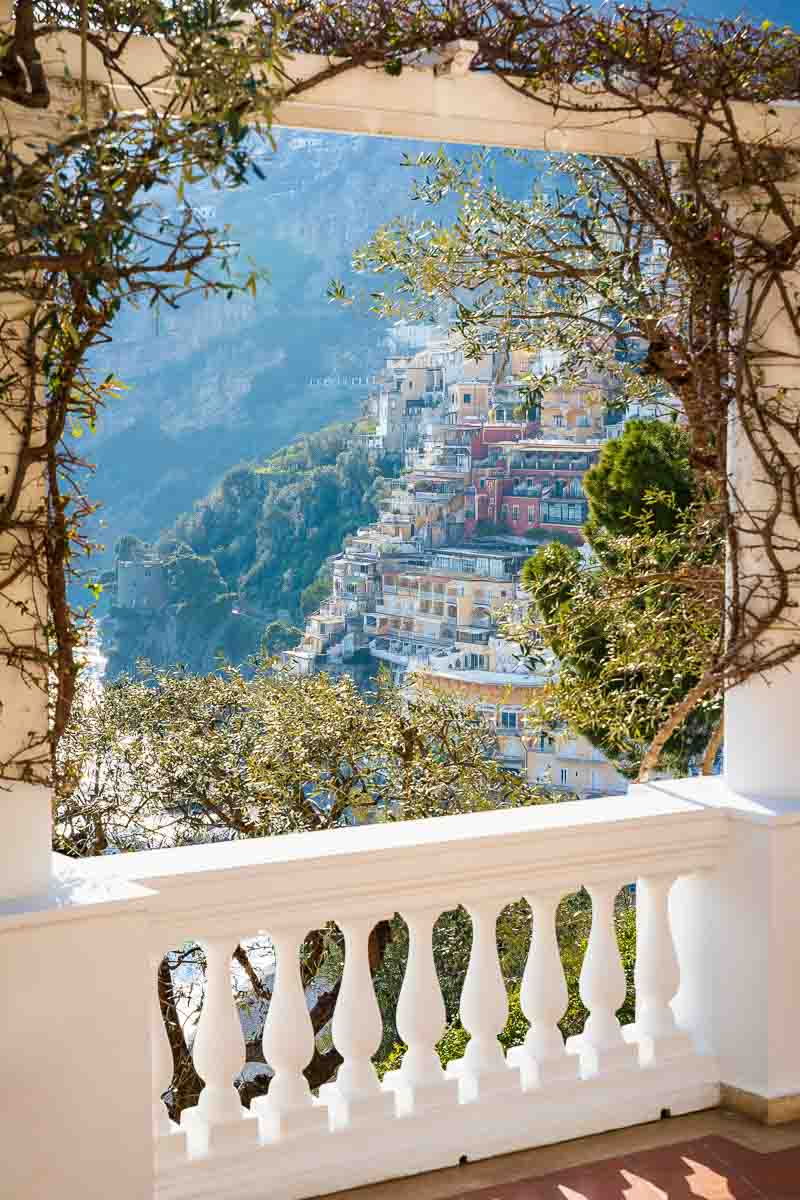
(329, 608)
(563, 512)
(476, 635)
(562, 463)
(419, 1118)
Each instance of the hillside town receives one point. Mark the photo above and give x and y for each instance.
(492, 468)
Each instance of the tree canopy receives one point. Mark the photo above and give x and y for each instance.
(172, 758)
(253, 552)
(644, 473)
(635, 624)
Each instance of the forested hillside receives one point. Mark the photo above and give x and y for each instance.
(214, 382)
(247, 561)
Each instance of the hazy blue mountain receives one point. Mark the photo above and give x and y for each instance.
(219, 382)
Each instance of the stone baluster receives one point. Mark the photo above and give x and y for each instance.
(218, 1123)
(288, 1042)
(420, 1082)
(656, 975)
(484, 1011)
(169, 1141)
(356, 1095)
(602, 989)
(542, 1059)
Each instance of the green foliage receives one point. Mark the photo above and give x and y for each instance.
(629, 649)
(194, 579)
(317, 591)
(648, 457)
(279, 636)
(535, 258)
(174, 758)
(253, 551)
(270, 527)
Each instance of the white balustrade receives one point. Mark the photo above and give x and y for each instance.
(357, 1030)
(656, 974)
(484, 1012)
(602, 989)
(420, 1082)
(542, 1059)
(421, 1117)
(169, 1139)
(288, 1044)
(218, 1122)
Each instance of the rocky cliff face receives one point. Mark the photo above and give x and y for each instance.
(218, 382)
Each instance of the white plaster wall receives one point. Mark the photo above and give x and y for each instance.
(75, 1100)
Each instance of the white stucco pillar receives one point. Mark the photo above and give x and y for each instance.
(737, 928)
(762, 754)
(25, 800)
(25, 808)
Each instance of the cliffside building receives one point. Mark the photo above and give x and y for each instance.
(421, 589)
(142, 584)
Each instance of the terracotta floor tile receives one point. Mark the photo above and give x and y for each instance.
(706, 1156)
(685, 1171)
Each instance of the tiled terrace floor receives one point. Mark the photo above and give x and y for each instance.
(708, 1156)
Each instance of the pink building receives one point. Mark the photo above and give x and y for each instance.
(524, 484)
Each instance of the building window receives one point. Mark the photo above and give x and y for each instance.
(563, 774)
(515, 512)
(508, 720)
(483, 483)
(558, 420)
(468, 397)
(531, 516)
(504, 512)
(563, 514)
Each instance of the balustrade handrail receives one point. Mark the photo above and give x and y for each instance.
(442, 859)
(420, 1117)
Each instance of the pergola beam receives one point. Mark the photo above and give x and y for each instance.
(471, 108)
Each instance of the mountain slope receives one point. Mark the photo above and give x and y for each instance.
(217, 381)
(247, 559)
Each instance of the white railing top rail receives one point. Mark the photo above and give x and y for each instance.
(248, 884)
